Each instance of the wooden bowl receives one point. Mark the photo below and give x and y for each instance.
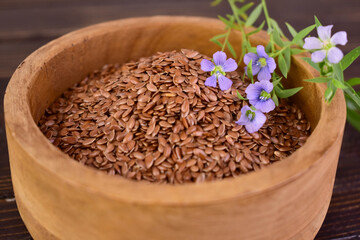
(59, 198)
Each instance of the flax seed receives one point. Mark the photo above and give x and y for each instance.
(155, 120)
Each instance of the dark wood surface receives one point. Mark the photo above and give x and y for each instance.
(25, 25)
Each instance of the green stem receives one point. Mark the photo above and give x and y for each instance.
(263, 2)
(239, 22)
(268, 22)
(226, 39)
(275, 54)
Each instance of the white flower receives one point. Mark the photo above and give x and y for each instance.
(325, 45)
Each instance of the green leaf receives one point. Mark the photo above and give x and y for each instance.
(249, 47)
(353, 118)
(231, 49)
(352, 94)
(239, 95)
(338, 84)
(277, 38)
(282, 65)
(275, 99)
(276, 79)
(217, 43)
(353, 81)
(314, 65)
(330, 91)
(241, 11)
(317, 22)
(295, 51)
(292, 30)
(276, 26)
(254, 15)
(268, 47)
(303, 33)
(249, 71)
(257, 29)
(350, 58)
(350, 104)
(318, 80)
(329, 94)
(287, 55)
(215, 3)
(285, 93)
(338, 72)
(228, 23)
(218, 37)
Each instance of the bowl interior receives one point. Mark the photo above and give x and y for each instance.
(133, 41)
(61, 63)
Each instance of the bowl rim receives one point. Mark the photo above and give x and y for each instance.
(47, 157)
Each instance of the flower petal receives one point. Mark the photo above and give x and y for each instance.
(211, 81)
(257, 122)
(324, 32)
(230, 65)
(261, 51)
(243, 118)
(339, 38)
(318, 56)
(312, 43)
(244, 109)
(264, 74)
(250, 56)
(264, 106)
(260, 118)
(206, 65)
(219, 58)
(255, 69)
(335, 55)
(271, 64)
(224, 83)
(266, 85)
(253, 91)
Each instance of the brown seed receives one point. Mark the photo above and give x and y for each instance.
(230, 140)
(210, 166)
(152, 126)
(232, 166)
(167, 151)
(200, 153)
(88, 141)
(160, 160)
(130, 145)
(162, 140)
(151, 87)
(110, 157)
(264, 159)
(138, 155)
(165, 124)
(128, 137)
(148, 120)
(70, 140)
(185, 106)
(149, 160)
(174, 138)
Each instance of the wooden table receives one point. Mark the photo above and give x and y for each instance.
(26, 25)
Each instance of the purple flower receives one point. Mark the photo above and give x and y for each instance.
(261, 63)
(325, 45)
(252, 119)
(259, 96)
(218, 70)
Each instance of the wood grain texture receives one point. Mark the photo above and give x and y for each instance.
(43, 20)
(288, 200)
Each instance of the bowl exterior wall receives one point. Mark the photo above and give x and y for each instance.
(56, 210)
(54, 206)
